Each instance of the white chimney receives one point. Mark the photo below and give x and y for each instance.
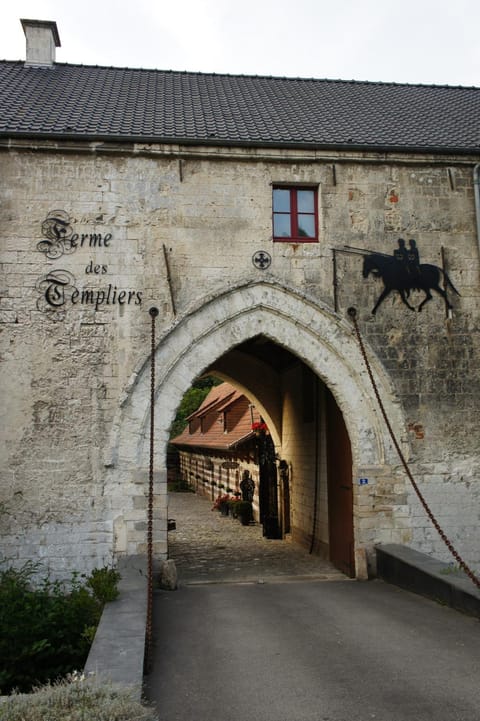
(42, 39)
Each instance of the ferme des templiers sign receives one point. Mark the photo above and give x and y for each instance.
(58, 289)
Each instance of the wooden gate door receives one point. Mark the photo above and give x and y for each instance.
(267, 472)
(340, 490)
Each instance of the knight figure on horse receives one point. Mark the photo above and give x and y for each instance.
(403, 272)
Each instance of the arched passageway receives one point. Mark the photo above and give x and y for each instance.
(297, 360)
(304, 476)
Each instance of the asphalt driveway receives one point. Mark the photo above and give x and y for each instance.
(260, 630)
(312, 651)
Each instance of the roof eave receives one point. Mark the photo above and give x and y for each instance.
(244, 439)
(196, 443)
(111, 141)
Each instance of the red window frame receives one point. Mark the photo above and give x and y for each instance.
(293, 214)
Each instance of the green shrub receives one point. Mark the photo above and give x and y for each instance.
(244, 511)
(45, 630)
(180, 486)
(76, 700)
(103, 583)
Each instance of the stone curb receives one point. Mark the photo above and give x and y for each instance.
(428, 577)
(118, 649)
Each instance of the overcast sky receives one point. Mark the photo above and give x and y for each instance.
(408, 41)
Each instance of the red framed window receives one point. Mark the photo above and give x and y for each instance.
(295, 214)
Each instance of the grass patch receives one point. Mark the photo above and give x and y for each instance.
(180, 486)
(452, 569)
(76, 699)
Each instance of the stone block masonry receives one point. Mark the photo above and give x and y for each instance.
(75, 333)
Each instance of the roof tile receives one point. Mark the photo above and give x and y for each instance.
(168, 106)
(221, 399)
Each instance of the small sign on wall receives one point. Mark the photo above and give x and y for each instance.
(362, 481)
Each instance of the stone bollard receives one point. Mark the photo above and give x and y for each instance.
(361, 564)
(168, 575)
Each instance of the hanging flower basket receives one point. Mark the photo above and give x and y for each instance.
(259, 427)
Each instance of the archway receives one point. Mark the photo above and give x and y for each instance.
(319, 338)
(305, 478)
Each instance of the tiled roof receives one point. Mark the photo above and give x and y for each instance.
(221, 399)
(218, 398)
(122, 104)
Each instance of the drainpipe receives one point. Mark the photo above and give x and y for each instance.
(476, 193)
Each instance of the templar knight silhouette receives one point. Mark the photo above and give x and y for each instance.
(403, 272)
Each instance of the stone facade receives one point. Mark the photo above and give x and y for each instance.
(176, 227)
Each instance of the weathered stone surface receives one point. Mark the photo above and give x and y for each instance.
(168, 575)
(75, 388)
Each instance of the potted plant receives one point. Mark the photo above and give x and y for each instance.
(221, 504)
(233, 505)
(244, 511)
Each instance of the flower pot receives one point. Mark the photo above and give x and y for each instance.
(244, 512)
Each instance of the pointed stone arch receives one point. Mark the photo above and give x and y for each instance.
(322, 339)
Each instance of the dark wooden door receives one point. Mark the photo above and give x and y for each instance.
(267, 471)
(340, 490)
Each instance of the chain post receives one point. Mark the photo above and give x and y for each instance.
(148, 633)
(352, 312)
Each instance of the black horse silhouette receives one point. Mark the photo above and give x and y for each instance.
(399, 276)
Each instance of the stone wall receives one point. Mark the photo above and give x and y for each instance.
(178, 230)
(304, 446)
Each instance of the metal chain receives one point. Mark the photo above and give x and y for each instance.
(352, 312)
(148, 633)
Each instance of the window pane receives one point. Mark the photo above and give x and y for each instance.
(306, 226)
(305, 202)
(281, 226)
(281, 200)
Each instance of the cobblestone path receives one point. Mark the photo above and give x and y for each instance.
(210, 548)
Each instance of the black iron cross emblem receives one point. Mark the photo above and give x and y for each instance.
(261, 259)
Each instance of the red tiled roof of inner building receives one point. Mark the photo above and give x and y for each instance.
(222, 394)
(221, 399)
